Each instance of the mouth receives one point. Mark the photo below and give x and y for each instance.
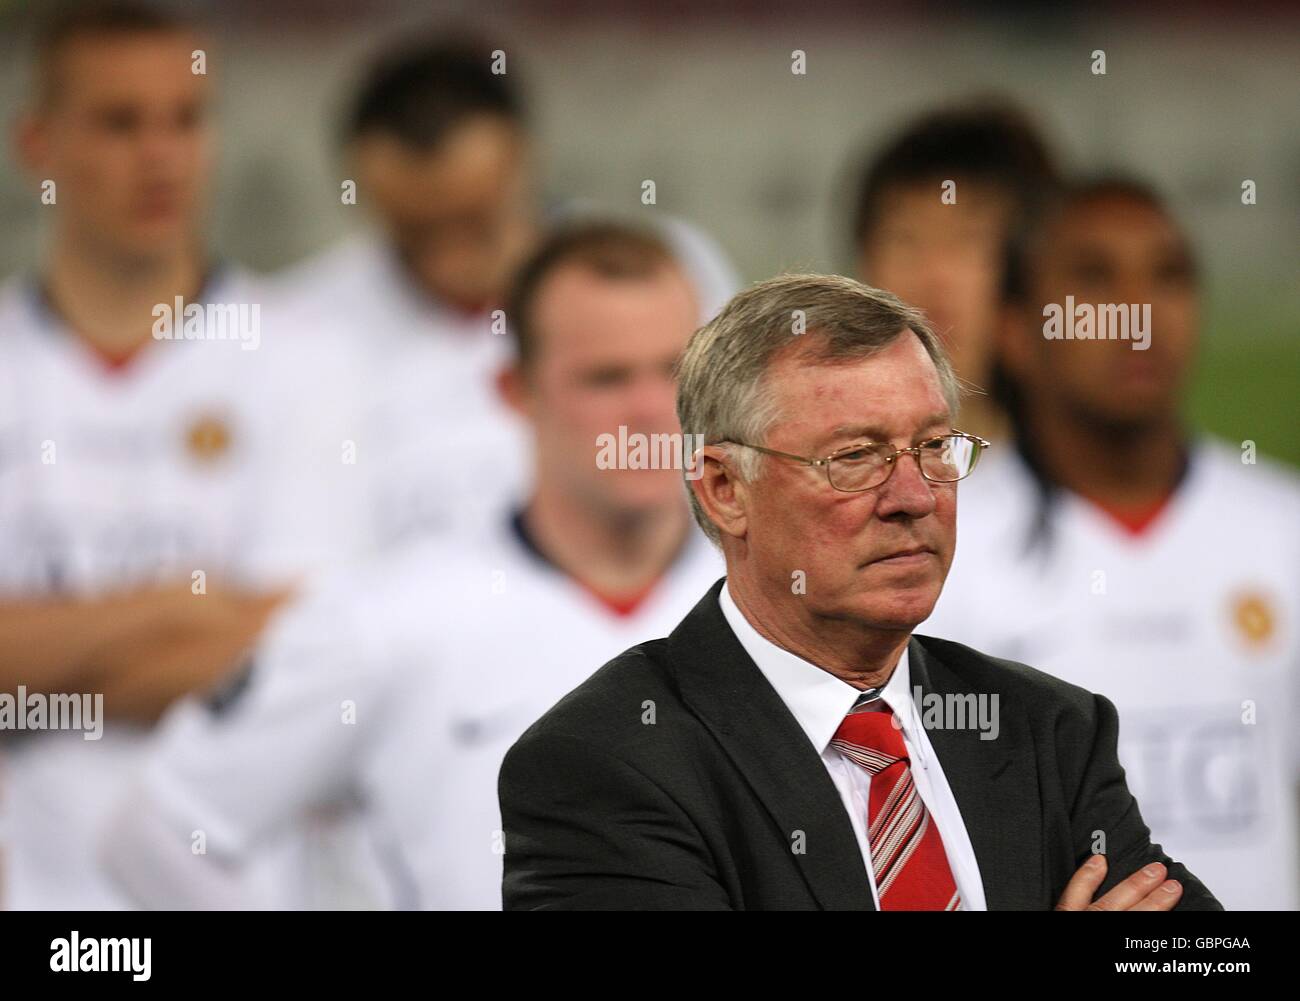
(912, 556)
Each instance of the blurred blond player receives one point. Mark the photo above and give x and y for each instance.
(401, 689)
(440, 147)
(139, 557)
(1122, 552)
(940, 213)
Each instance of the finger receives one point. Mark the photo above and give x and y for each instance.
(1083, 884)
(1127, 893)
(1163, 898)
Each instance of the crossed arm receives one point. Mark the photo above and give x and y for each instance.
(141, 649)
(1131, 873)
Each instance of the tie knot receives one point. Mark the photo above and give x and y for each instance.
(871, 740)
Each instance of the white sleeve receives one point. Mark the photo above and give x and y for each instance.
(160, 869)
(19, 470)
(294, 738)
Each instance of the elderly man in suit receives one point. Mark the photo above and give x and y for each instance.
(792, 744)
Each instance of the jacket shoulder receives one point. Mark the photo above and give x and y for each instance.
(1037, 691)
(608, 708)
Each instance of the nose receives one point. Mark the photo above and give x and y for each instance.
(906, 492)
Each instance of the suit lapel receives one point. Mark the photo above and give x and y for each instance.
(995, 783)
(723, 685)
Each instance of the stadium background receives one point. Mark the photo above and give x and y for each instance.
(701, 99)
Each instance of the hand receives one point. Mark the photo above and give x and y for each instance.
(221, 608)
(190, 646)
(1146, 890)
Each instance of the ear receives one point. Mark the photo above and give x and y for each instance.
(512, 388)
(722, 494)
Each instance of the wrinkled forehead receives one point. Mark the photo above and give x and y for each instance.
(893, 392)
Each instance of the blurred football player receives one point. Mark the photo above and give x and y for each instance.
(400, 689)
(139, 465)
(1123, 551)
(939, 215)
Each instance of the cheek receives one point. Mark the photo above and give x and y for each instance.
(1175, 317)
(945, 515)
(581, 413)
(598, 410)
(842, 518)
(201, 155)
(1078, 363)
(558, 407)
(822, 529)
(83, 162)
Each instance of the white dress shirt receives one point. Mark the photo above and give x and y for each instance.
(819, 702)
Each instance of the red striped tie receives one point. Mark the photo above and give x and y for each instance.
(907, 855)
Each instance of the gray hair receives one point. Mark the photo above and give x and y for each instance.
(722, 390)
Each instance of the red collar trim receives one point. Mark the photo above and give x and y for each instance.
(623, 605)
(115, 363)
(1135, 521)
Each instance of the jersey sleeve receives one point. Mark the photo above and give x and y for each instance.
(291, 736)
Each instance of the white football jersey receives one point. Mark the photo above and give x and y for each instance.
(1190, 626)
(401, 690)
(436, 450)
(186, 463)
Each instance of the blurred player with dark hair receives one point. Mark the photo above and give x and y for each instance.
(444, 159)
(401, 688)
(1121, 551)
(440, 145)
(939, 215)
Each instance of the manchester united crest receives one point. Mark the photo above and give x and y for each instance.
(1254, 617)
(207, 438)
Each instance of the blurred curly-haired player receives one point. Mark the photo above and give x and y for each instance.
(1120, 550)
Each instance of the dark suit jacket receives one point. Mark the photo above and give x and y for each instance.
(701, 808)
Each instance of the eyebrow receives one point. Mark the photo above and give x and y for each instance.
(875, 433)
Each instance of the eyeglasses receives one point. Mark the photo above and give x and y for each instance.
(945, 458)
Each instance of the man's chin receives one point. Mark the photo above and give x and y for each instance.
(903, 610)
(922, 575)
(644, 489)
(634, 504)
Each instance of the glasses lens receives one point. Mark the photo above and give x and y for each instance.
(859, 469)
(949, 458)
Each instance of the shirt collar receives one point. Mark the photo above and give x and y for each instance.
(818, 700)
(217, 284)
